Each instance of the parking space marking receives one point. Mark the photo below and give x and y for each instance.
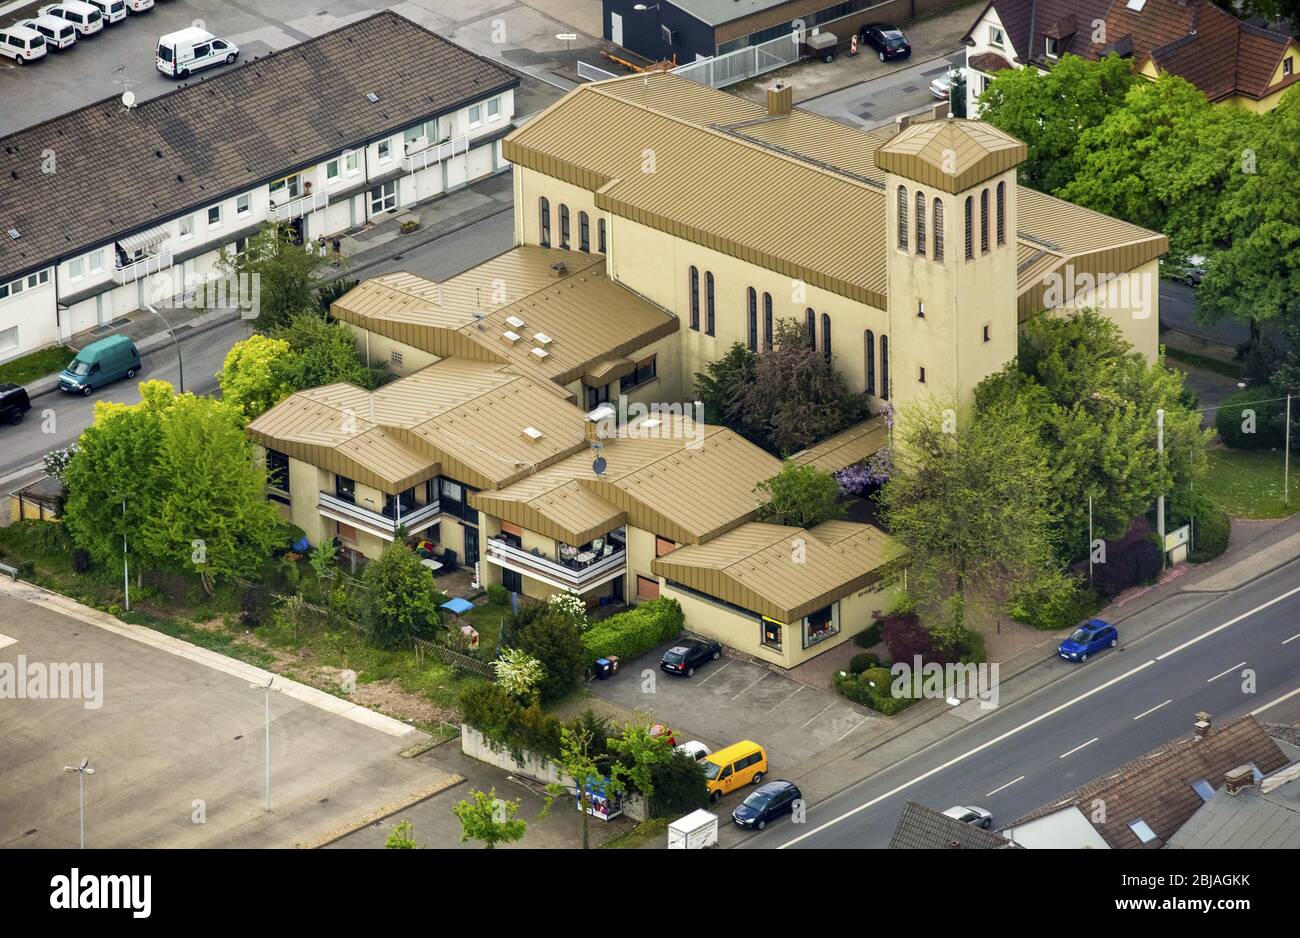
(852, 728)
(714, 674)
(817, 714)
(1153, 709)
(788, 699)
(751, 686)
(1222, 673)
(1077, 748)
(6, 641)
(1007, 785)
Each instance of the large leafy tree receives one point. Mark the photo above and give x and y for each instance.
(554, 639)
(252, 377)
(400, 601)
(1051, 112)
(287, 276)
(968, 501)
(324, 352)
(484, 816)
(800, 496)
(721, 382)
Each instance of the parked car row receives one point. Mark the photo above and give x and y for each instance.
(58, 26)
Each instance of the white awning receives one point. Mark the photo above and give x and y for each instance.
(143, 240)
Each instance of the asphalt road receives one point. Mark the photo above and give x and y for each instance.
(1110, 710)
(877, 100)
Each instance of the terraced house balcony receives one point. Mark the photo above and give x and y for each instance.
(303, 205)
(435, 153)
(576, 570)
(144, 267)
(381, 522)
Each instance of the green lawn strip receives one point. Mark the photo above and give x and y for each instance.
(1247, 483)
(647, 831)
(1230, 369)
(36, 365)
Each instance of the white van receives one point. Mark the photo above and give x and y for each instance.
(86, 18)
(139, 6)
(21, 44)
(113, 11)
(191, 49)
(58, 33)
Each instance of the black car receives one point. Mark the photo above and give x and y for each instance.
(689, 654)
(14, 402)
(888, 41)
(766, 804)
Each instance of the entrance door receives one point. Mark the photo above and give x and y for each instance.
(471, 547)
(618, 589)
(512, 580)
(616, 29)
(298, 227)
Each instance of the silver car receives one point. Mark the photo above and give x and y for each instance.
(971, 815)
(941, 87)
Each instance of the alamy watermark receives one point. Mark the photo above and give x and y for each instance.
(935, 681)
(242, 291)
(655, 421)
(1071, 289)
(60, 680)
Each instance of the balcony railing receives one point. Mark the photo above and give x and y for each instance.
(435, 154)
(376, 522)
(570, 575)
(144, 267)
(304, 205)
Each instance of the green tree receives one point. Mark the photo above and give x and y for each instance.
(252, 378)
(518, 674)
(799, 496)
(577, 760)
(637, 754)
(1050, 112)
(287, 276)
(968, 503)
(554, 639)
(323, 353)
(485, 817)
(402, 837)
(721, 382)
(400, 601)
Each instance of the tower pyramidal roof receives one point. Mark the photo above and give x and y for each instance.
(951, 154)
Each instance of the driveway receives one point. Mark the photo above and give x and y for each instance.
(730, 700)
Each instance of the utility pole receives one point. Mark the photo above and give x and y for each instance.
(1089, 542)
(126, 573)
(1160, 502)
(1286, 456)
(82, 770)
(267, 687)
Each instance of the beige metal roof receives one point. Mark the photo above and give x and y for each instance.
(777, 175)
(848, 447)
(568, 512)
(951, 155)
(782, 572)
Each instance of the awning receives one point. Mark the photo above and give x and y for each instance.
(143, 240)
(602, 372)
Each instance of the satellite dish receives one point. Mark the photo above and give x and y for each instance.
(599, 465)
(128, 99)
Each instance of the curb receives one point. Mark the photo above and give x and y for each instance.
(382, 812)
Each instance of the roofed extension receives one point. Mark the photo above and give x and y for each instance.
(923, 828)
(123, 170)
(1262, 816)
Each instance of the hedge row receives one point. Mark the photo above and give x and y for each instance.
(635, 631)
(858, 688)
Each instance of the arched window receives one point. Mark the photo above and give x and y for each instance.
(708, 303)
(564, 226)
(600, 235)
(920, 224)
(546, 223)
(902, 217)
(584, 232)
(869, 355)
(752, 302)
(884, 367)
(826, 335)
(811, 318)
(1002, 210)
(767, 322)
(970, 229)
(984, 221)
(695, 298)
(938, 230)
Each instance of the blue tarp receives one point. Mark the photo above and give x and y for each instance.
(457, 606)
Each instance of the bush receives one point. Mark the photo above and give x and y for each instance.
(868, 637)
(507, 725)
(636, 631)
(1211, 529)
(862, 661)
(498, 594)
(859, 689)
(679, 786)
(1055, 601)
(906, 638)
(80, 561)
(1126, 565)
(1269, 422)
(252, 604)
(557, 643)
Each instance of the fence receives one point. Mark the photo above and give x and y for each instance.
(452, 657)
(731, 67)
(591, 73)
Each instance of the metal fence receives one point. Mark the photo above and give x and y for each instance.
(591, 73)
(727, 69)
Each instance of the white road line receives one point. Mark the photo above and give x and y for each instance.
(1007, 785)
(791, 697)
(966, 755)
(816, 715)
(765, 674)
(1219, 628)
(1153, 709)
(715, 674)
(1077, 748)
(1275, 703)
(1222, 673)
(1292, 639)
(852, 728)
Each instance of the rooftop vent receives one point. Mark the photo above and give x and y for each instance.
(560, 268)
(651, 423)
(541, 338)
(532, 433)
(541, 353)
(515, 322)
(511, 337)
(372, 97)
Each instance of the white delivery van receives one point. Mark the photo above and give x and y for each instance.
(86, 18)
(191, 49)
(21, 44)
(697, 830)
(58, 33)
(139, 6)
(113, 11)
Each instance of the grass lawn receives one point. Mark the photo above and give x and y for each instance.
(36, 365)
(1248, 483)
(655, 829)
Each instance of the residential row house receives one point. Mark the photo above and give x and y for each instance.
(109, 208)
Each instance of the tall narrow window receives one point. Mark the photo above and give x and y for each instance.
(811, 318)
(584, 232)
(564, 226)
(695, 298)
(920, 224)
(826, 335)
(767, 322)
(970, 230)
(546, 222)
(869, 356)
(984, 221)
(902, 217)
(884, 367)
(600, 235)
(1002, 209)
(938, 230)
(752, 301)
(708, 303)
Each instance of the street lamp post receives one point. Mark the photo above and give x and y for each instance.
(267, 687)
(180, 361)
(126, 572)
(1160, 502)
(82, 771)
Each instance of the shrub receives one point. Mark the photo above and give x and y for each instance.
(859, 689)
(498, 594)
(557, 643)
(636, 631)
(1267, 430)
(251, 606)
(506, 725)
(1055, 601)
(678, 785)
(863, 661)
(80, 561)
(1126, 565)
(868, 637)
(906, 638)
(1210, 532)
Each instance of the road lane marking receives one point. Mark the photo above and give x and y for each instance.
(1268, 706)
(966, 755)
(751, 686)
(1292, 639)
(1153, 709)
(1222, 673)
(1077, 748)
(1219, 628)
(1007, 785)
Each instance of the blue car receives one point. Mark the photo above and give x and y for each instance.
(1088, 639)
(767, 803)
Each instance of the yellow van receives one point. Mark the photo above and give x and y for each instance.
(743, 763)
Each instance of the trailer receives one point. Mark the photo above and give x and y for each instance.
(697, 830)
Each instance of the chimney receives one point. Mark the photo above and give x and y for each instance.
(780, 99)
(1239, 779)
(1202, 725)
